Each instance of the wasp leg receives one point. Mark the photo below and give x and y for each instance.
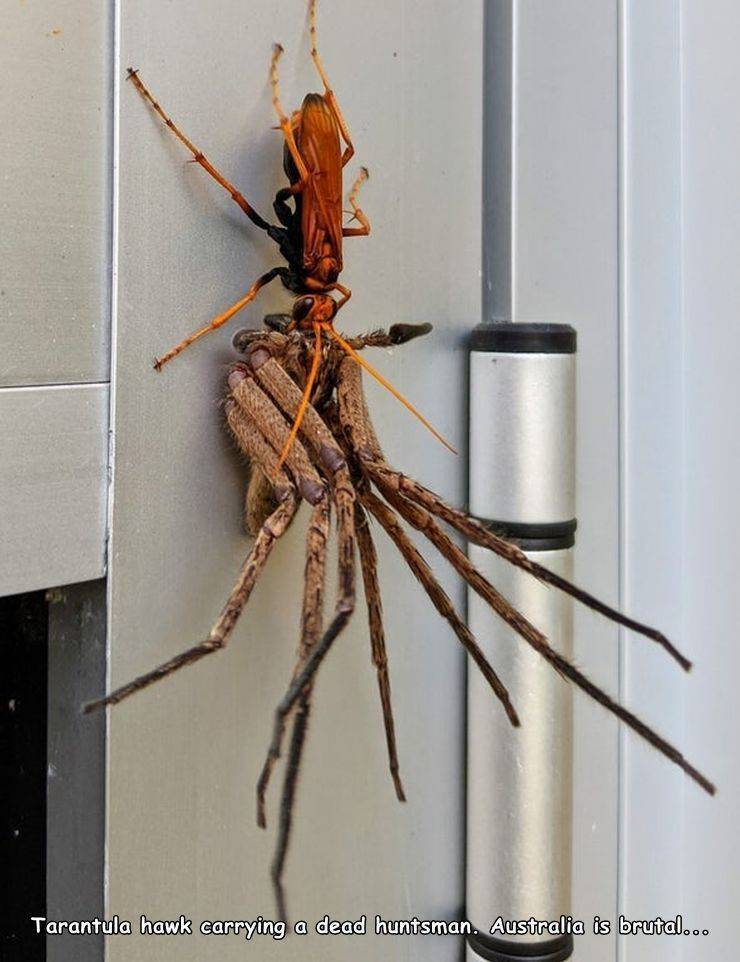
(358, 214)
(284, 214)
(306, 394)
(328, 92)
(286, 126)
(198, 156)
(221, 319)
(344, 291)
(348, 349)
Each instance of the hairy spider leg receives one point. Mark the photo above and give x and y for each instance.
(344, 607)
(476, 533)
(306, 394)
(397, 334)
(473, 530)
(317, 539)
(369, 565)
(312, 615)
(348, 349)
(439, 597)
(405, 497)
(198, 155)
(281, 387)
(260, 410)
(272, 529)
(219, 321)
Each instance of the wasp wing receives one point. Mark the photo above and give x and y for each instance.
(321, 200)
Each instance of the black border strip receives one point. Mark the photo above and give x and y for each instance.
(501, 950)
(23, 722)
(524, 338)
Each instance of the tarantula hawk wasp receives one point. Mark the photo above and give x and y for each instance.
(310, 235)
(296, 408)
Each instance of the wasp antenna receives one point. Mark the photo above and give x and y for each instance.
(386, 384)
(306, 396)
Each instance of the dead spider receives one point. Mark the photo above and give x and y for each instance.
(336, 463)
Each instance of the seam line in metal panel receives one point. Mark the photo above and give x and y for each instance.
(622, 80)
(682, 395)
(20, 388)
(115, 196)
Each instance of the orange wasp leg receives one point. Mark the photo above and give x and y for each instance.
(198, 155)
(221, 319)
(285, 124)
(328, 92)
(344, 291)
(348, 349)
(358, 214)
(314, 285)
(306, 395)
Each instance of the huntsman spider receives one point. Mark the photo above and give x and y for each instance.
(335, 464)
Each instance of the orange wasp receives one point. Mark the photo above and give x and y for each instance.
(311, 232)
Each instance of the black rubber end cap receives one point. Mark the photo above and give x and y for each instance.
(554, 536)
(525, 338)
(502, 950)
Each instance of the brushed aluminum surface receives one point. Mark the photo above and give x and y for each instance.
(52, 485)
(55, 171)
(520, 780)
(522, 436)
(519, 806)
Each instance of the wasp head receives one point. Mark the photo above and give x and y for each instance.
(313, 309)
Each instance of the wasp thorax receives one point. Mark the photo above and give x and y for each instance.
(313, 309)
(326, 270)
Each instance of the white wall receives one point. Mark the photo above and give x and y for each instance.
(679, 459)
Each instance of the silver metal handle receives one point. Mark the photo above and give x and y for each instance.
(522, 457)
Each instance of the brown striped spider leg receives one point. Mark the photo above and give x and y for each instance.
(336, 464)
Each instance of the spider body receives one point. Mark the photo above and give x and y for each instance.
(337, 466)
